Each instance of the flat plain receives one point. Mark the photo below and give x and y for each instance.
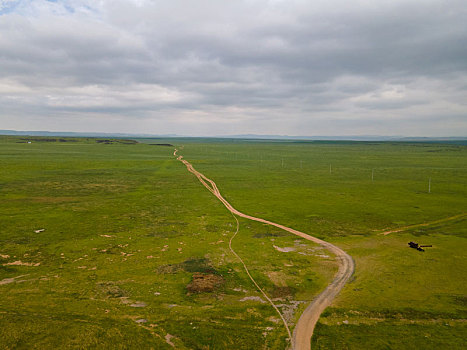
(101, 241)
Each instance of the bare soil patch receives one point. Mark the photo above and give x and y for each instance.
(254, 298)
(202, 282)
(285, 249)
(283, 292)
(20, 263)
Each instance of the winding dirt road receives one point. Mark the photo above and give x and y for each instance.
(306, 324)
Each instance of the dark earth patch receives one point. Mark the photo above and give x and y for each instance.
(202, 282)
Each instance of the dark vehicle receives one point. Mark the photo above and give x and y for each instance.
(418, 246)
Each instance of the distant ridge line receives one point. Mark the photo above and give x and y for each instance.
(240, 136)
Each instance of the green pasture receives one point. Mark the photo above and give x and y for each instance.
(126, 226)
(348, 193)
(122, 228)
(256, 177)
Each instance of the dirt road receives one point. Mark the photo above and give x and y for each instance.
(306, 324)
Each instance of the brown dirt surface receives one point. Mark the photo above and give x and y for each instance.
(202, 282)
(20, 263)
(282, 292)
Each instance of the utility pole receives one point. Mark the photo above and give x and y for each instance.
(429, 185)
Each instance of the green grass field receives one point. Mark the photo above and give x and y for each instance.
(126, 227)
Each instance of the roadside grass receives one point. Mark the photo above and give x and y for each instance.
(346, 200)
(399, 298)
(390, 335)
(110, 217)
(126, 227)
(390, 274)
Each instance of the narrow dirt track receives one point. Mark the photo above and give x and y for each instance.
(253, 280)
(306, 324)
(405, 228)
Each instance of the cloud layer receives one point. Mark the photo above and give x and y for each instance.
(216, 67)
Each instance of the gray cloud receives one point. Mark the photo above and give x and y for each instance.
(255, 66)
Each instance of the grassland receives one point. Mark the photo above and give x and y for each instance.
(126, 227)
(399, 298)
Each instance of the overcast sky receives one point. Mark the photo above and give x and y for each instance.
(334, 67)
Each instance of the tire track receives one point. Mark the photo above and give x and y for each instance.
(304, 329)
(254, 282)
(405, 228)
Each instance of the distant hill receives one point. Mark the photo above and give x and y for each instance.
(320, 138)
(77, 134)
(461, 140)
